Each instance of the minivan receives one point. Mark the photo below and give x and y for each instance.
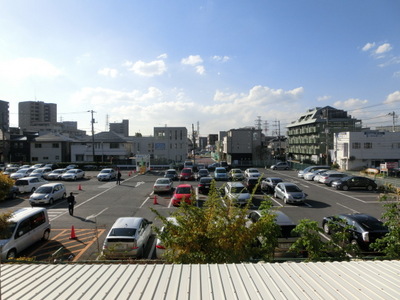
(26, 227)
(48, 193)
(237, 192)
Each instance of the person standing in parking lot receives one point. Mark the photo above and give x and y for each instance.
(118, 177)
(71, 203)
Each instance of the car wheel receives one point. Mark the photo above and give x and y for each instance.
(275, 195)
(13, 195)
(285, 200)
(370, 188)
(326, 228)
(51, 201)
(12, 254)
(33, 190)
(46, 235)
(286, 168)
(64, 196)
(345, 188)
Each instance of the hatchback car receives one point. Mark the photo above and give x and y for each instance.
(220, 173)
(127, 237)
(186, 174)
(73, 174)
(354, 182)
(160, 248)
(328, 178)
(311, 168)
(253, 184)
(106, 174)
(363, 229)
(162, 185)
(280, 166)
(236, 174)
(29, 184)
(237, 192)
(204, 185)
(268, 184)
(289, 193)
(21, 173)
(171, 174)
(309, 176)
(252, 172)
(183, 192)
(40, 172)
(55, 174)
(48, 193)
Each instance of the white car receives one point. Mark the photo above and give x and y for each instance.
(29, 184)
(41, 172)
(21, 173)
(289, 193)
(327, 178)
(55, 174)
(73, 174)
(163, 185)
(252, 172)
(106, 174)
(48, 193)
(309, 176)
(160, 248)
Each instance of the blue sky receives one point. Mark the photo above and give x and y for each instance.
(220, 64)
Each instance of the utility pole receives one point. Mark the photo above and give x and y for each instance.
(194, 145)
(326, 135)
(92, 121)
(393, 114)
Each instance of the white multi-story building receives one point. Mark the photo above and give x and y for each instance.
(171, 143)
(357, 150)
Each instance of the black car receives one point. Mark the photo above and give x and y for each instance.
(354, 182)
(269, 183)
(251, 183)
(364, 229)
(202, 173)
(171, 174)
(204, 185)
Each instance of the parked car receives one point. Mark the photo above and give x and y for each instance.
(73, 174)
(160, 248)
(253, 184)
(186, 174)
(29, 184)
(127, 237)
(204, 185)
(37, 166)
(183, 192)
(12, 193)
(163, 185)
(289, 193)
(70, 167)
(354, 182)
(202, 173)
(55, 174)
(48, 193)
(311, 168)
(269, 183)
(312, 174)
(287, 236)
(236, 174)
(362, 228)
(9, 170)
(40, 172)
(220, 173)
(171, 174)
(237, 193)
(211, 167)
(327, 178)
(280, 166)
(21, 173)
(252, 172)
(106, 174)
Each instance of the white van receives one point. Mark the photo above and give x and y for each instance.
(26, 227)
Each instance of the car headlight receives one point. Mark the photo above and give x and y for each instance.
(47, 196)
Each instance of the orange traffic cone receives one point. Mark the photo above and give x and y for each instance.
(79, 187)
(155, 200)
(73, 236)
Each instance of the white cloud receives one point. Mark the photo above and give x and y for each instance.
(200, 69)
(350, 103)
(163, 56)
(221, 58)
(392, 98)
(368, 46)
(383, 48)
(324, 98)
(153, 68)
(192, 60)
(21, 68)
(108, 72)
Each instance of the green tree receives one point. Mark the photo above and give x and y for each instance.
(4, 224)
(390, 244)
(6, 184)
(219, 232)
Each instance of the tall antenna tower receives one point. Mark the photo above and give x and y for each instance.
(198, 128)
(258, 122)
(107, 123)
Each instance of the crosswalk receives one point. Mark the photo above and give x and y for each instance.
(54, 213)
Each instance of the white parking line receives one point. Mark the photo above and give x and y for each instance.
(353, 210)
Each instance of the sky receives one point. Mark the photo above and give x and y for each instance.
(208, 65)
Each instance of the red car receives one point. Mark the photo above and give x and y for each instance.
(186, 174)
(183, 192)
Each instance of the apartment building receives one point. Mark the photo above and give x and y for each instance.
(34, 114)
(170, 144)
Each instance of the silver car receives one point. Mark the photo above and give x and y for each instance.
(48, 193)
(73, 174)
(128, 237)
(106, 174)
(289, 193)
(160, 248)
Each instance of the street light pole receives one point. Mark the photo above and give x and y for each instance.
(92, 121)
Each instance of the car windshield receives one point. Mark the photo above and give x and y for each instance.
(105, 171)
(292, 188)
(123, 232)
(21, 182)
(162, 181)
(7, 234)
(238, 190)
(58, 171)
(183, 190)
(44, 190)
(373, 225)
(221, 171)
(205, 180)
(275, 180)
(21, 171)
(253, 171)
(171, 172)
(237, 171)
(71, 171)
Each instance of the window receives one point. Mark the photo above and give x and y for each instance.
(356, 145)
(38, 145)
(368, 145)
(56, 145)
(35, 159)
(114, 145)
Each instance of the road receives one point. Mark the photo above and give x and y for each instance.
(99, 204)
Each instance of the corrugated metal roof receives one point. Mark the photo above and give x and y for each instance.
(289, 280)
